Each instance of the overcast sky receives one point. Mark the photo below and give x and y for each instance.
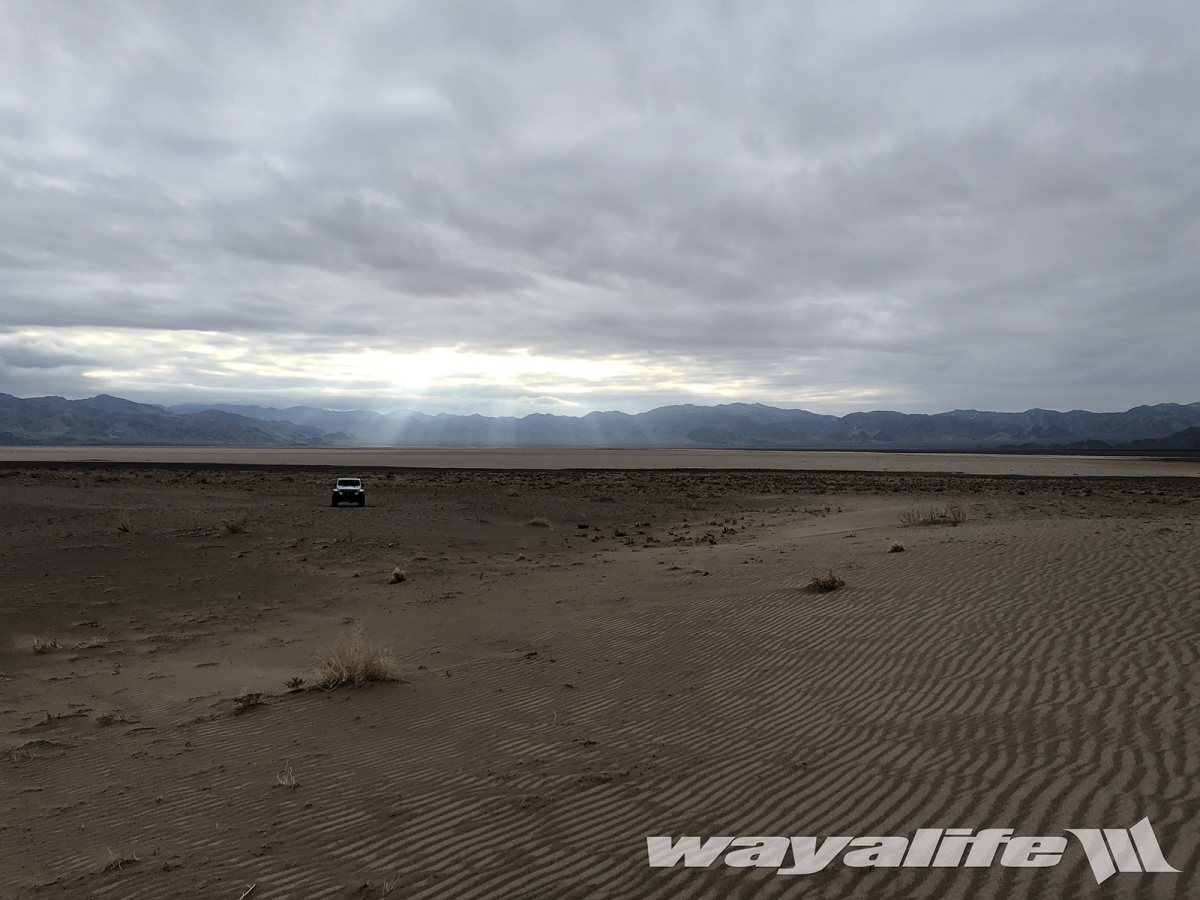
(509, 207)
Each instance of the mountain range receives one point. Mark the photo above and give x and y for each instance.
(106, 420)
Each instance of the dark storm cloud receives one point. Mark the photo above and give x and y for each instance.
(831, 204)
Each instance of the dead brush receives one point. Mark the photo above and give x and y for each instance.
(108, 719)
(118, 861)
(896, 547)
(247, 701)
(948, 514)
(351, 659)
(956, 513)
(287, 778)
(541, 522)
(41, 646)
(824, 583)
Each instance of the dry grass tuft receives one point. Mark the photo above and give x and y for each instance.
(896, 547)
(825, 583)
(247, 701)
(117, 862)
(949, 514)
(287, 778)
(955, 512)
(350, 659)
(40, 646)
(108, 719)
(295, 683)
(540, 522)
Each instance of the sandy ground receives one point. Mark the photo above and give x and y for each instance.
(650, 664)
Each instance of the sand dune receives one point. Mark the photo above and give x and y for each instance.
(572, 690)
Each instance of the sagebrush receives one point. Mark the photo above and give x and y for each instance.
(948, 514)
(352, 659)
(826, 582)
(43, 646)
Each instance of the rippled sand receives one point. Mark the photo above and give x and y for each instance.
(648, 663)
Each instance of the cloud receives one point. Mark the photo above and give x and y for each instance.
(920, 205)
(39, 354)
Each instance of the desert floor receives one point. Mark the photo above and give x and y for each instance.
(1167, 465)
(650, 663)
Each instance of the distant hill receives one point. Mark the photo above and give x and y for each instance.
(751, 426)
(363, 427)
(1188, 439)
(110, 420)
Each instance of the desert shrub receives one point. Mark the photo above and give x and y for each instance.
(949, 514)
(825, 583)
(955, 512)
(41, 646)
(896, 547)
(540, 522)
(247, 701)
(351, 659)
